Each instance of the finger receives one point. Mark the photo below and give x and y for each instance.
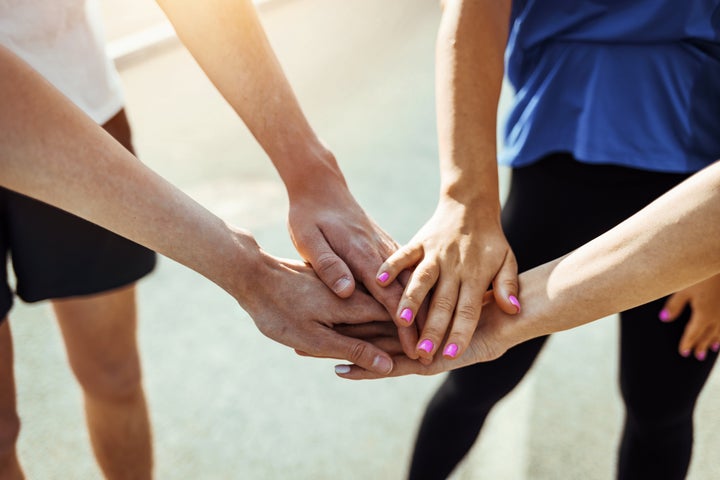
(404, 258)
(328, 266)
(361, 353)
(402, 366)
(673, 307)
(505, 286)
(465, 321)
(420, 283)
(361, 308)
(442, 307)
(367, 330)
(690, 337)
(703, 342)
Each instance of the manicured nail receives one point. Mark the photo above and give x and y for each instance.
(383, 277)
(426, 346)
(513, 299)
(700, 356)
(450, 350)
(382, 364)
(342, 369)
(406, 315)
(664, 315)
(716, 347)
(685, 353)
(341, 285)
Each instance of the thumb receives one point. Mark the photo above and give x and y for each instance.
(328, 266)
(505, 286)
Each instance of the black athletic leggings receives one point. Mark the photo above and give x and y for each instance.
(554, 206)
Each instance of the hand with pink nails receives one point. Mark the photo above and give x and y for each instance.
(457, 255)
(332, 232)
(702, 333)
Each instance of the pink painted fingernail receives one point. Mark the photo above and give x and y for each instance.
(716, 347)
(426, 346)
(685, 353)
(701, 355)
(383, 277)
(664, 315)
(450, 350)
(406, 315)
(513, 299)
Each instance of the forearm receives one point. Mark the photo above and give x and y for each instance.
(51, 151)
(671, 244)
(228, 42)
(469, 71)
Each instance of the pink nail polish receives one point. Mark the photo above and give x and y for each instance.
(513, 299)
(451, 350)
(664, 315)
(716, 347)
(685, 353)
(426, 346)
(383, 277)
(406, 315)
(700, 356)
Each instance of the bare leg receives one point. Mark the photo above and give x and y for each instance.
(9, 421)
(100, 337)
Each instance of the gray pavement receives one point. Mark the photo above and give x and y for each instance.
(227, 403)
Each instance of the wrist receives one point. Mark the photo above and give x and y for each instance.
(303, 168)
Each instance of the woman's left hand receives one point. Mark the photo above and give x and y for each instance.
(703, 330)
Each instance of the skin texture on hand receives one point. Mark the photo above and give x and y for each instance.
(703, 330)
(290, 305)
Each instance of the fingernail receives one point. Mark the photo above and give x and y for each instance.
(513, 299)
(383, 277)
(406, 315)
(450, 350)
(341, 285)
(664, 315)
(426, 346)
(685, 353)
(700, 356)
(342, 369)
(382, 364)
(716, 347)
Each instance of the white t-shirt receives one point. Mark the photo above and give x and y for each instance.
(63, 40)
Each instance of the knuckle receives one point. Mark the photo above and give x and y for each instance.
(357, 351)
(443, 304)
(326, 262)
(467, 312)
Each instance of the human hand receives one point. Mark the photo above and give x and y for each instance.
(459, 252)
(496, 332)
(290, 305)
(342, 243)
(703, 329)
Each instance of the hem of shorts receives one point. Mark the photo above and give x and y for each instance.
(84, 290)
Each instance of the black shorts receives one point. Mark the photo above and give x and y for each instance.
(56, 254)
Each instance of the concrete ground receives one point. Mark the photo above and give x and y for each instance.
(227, 403)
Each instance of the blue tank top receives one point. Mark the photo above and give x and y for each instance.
(634, 83)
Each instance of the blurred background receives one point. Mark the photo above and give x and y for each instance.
(227, 403)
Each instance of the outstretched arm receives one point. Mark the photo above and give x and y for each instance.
(668, 246)
(328, 227)
(52, 151)
(462, 250)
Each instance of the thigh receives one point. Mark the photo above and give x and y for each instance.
(100, 337)
(56, 254)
